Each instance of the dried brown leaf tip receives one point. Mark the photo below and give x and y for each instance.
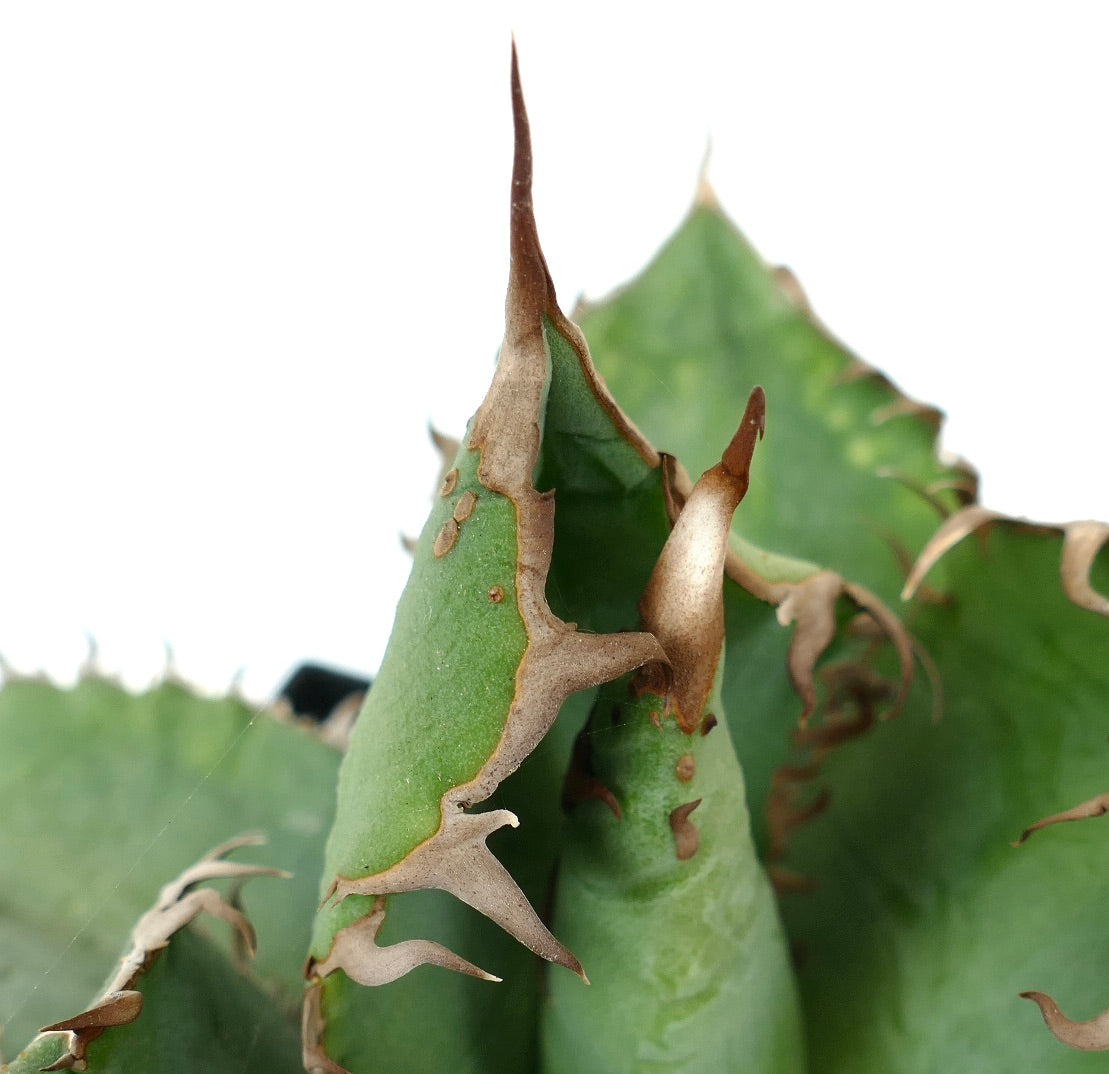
(682, 605)
(1091, 1036)
(178, 903)
(1082, 541)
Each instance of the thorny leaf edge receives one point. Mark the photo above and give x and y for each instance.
(1091, 1035)
(557, 662)
(177, 904)
(1082, 540)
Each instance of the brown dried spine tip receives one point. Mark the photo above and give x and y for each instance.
(450, 481)
(708, 723)
(683, 604)
(445, 539)
(496, 594)
(465, 506)
(687, 839)
(686, 768)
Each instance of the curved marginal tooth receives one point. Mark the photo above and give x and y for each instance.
(592, 659)
(958, 526)
(356, 953)
(1081, 543)
(1091, 1036)
(115, 1009)
(1095, 807)
(895, 630)
(811, 605)
(213, 870)
(456, 860)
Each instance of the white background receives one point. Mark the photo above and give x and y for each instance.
(248, 251)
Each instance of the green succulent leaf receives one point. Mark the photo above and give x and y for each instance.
(926, 923)
(683, 709)
(106, 793)
(661, 891)
(477, 669)
(849, 479)
(692, 972)
(198, 1012)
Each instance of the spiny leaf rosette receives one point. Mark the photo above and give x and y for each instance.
(615, 733)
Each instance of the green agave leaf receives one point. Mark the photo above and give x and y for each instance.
(477, 1028)
(474, 676)
(691, 971)
(105, 793)
(192, 1011)
(617, 499)
(670, 910)
(454, 645)
(925, 923)
(849, 479)
(853, 484)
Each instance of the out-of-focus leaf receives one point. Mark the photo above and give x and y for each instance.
(848, 470)
(926, 923)
(105, 793)
(915, 942)
(121, 1000)
(199, 1013)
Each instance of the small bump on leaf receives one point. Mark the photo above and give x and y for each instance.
(687, 839)
(445, 539)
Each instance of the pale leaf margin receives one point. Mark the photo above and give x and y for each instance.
(559, 660)
(177, 904)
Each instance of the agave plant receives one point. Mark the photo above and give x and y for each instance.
(657, 774)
